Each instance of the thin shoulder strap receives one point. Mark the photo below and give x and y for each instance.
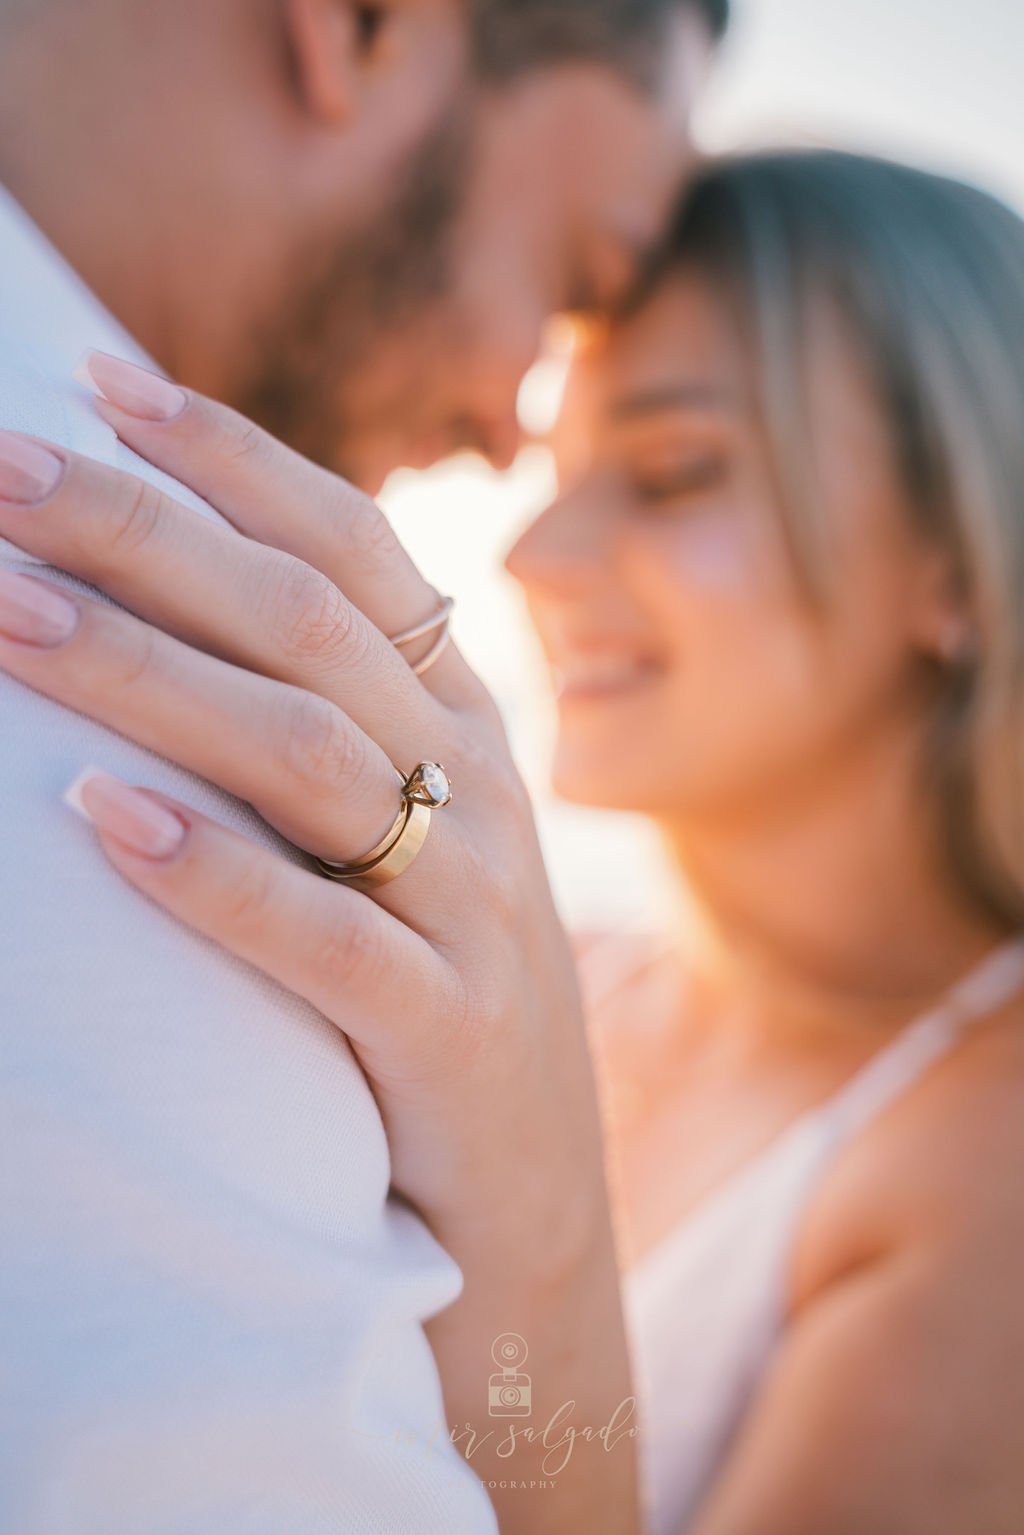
(925, 1040)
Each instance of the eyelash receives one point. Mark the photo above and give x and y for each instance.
(703, 475)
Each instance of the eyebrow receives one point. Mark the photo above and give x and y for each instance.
(668, 397)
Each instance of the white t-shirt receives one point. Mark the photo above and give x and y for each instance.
(210, 1312)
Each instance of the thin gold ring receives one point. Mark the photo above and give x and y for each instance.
(388, 840)
(418, 631)
(436, 650)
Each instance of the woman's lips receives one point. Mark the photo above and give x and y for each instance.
(597, 677)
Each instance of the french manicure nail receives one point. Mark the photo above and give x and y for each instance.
(133, 389)
(135, 819)
(34, 614)
(28, 473)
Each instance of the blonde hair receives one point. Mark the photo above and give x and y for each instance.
(928, 275)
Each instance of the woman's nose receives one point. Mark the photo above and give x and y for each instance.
(564, 548)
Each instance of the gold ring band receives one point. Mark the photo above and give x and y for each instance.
(427, 788)
(391, 863)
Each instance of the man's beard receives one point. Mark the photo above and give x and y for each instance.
(350, 302)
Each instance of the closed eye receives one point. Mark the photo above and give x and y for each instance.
(690, 479)
(370, 19)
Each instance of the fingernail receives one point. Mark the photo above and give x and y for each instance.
(28, 473)
(134, 389)
(34, 614)
(135, 819)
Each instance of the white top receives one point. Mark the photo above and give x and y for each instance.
(210, 1314)
(706, 1307)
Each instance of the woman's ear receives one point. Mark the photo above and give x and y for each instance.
(330, 41)
(943, 625)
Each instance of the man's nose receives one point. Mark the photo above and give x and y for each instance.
(509, 357)
(501, 441)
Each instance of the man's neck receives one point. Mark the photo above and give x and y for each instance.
(111, 162)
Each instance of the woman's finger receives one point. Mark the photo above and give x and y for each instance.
(340, 952)
(308, 770)
(231, 596)
(277, 497)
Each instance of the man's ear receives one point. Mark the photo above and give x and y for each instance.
(331, 41)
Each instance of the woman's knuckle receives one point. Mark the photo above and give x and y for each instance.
(489, 883)
(245, 442)
(350, 947)
(320, 747)
(373, 537)
(474, 760)
(133, 653)
(502, 892)
(314, 618)
(482, 708)
(473, 1022)
(488, 765)
(250, 907)
(136, 515)
(512, 796)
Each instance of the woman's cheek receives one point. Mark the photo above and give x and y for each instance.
(710, 552)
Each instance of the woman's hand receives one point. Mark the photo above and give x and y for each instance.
(259, 662)
(256, 656)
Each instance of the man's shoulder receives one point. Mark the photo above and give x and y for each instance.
(39, 396)
(49, 321)
(192, 1193)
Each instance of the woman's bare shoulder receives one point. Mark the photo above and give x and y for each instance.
(905, 1340)
(938, 1172)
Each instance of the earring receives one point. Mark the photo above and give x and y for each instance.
(958, 643)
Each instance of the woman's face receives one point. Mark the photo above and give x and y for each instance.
(693, 674)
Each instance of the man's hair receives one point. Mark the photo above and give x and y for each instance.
(513, 36)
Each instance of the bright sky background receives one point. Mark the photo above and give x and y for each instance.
(937, 81)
